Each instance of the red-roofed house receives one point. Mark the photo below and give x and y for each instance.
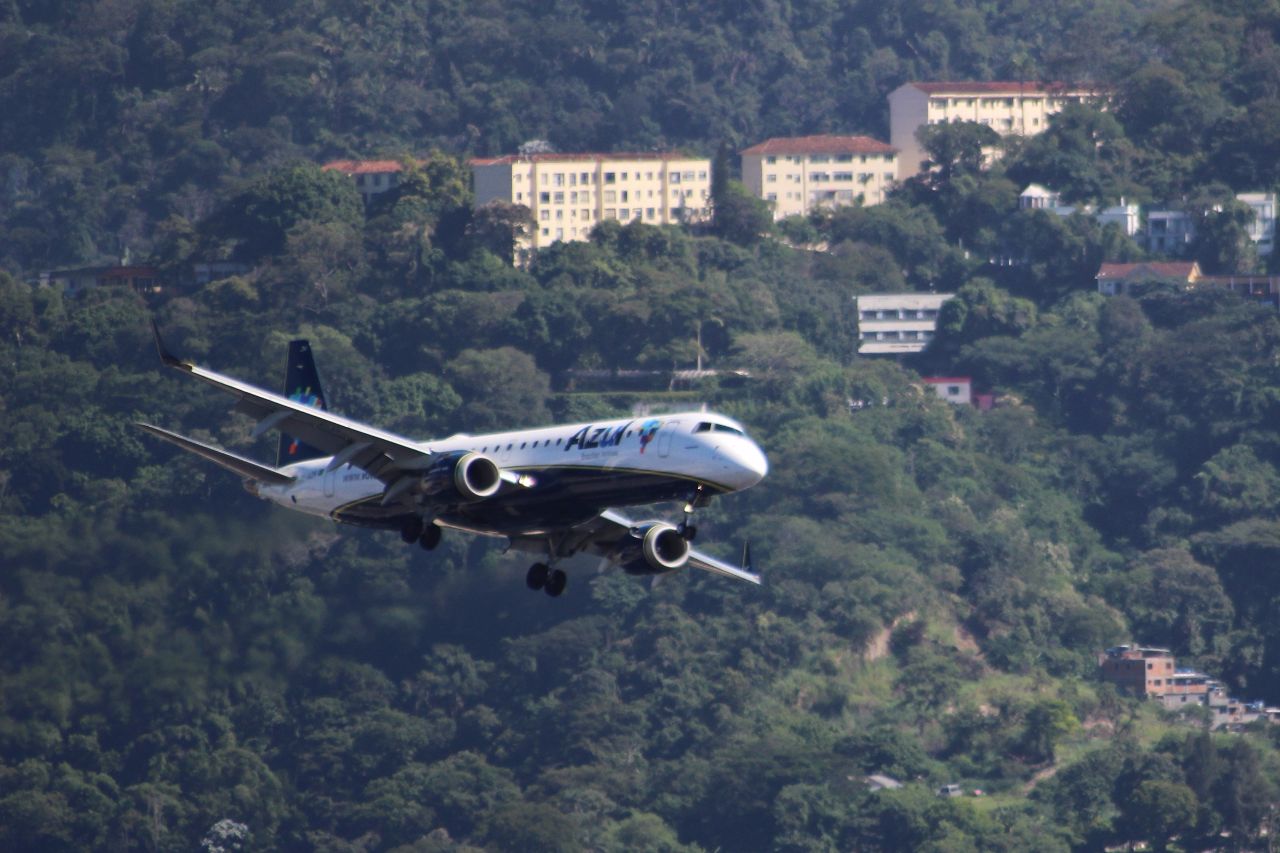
(1006, 107)
(371, 176)
(1121, 279)
(799, 173)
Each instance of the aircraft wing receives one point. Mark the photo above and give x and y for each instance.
(231, 461)
(384, 455)
(610, 527)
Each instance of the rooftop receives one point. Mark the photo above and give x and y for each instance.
(364, 167)
(821, 144)
(1163, 270)
(584, 155)
(997, 87)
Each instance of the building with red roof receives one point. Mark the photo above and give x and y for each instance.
(372, 177)
(797, 174)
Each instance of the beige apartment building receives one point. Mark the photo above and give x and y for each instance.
(801, 173)
(1006, 107)
(569, 194)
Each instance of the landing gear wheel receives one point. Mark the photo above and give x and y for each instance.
(430, 537)
(556, 583)
(537, 577)
(411, 530)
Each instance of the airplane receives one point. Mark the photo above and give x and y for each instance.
(552, 491)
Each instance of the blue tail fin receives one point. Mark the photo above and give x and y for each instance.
(301, 383)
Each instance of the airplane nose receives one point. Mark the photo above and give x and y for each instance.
(748, 461)
(756, 462)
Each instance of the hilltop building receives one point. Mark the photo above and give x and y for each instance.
(802, 173)
(1125, 215)
(569, 194)
(1008, 108)
(1152, 673)
(142, 279)
(1132, 279)
(897, 323)
(372, 177)
(1172, 231)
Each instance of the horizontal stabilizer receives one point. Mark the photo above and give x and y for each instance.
(237, 464)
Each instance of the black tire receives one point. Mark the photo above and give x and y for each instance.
(430, 537)
(556, 582)
(537, 577)
(690, 532)
(411, 530)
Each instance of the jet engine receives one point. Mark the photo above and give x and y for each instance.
(660, 548)
(462, 476)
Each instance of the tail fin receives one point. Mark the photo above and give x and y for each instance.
(301, 383)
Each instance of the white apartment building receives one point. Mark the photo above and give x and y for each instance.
(569, 194)
(798, 174)
(1171, 231)
(1262, 230)
(897, 323)
(1006, 107)
(1126, 215)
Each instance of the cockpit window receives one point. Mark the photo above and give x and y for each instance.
(706, 426)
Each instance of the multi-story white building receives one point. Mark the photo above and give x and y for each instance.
(798, 174)
(898, 323)
(1126, 215)
(569, 194)
(1171, 231)
(1005, 107)
(1262, 230)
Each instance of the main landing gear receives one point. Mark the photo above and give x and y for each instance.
(549, 580)
(424, 533)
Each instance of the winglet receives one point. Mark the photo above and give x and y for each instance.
(165, 356)
(746, 557)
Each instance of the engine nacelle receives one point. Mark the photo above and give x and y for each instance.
(465, 476)
(662, 548)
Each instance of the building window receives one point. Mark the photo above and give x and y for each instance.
(610, 177)
(557, 180)
(819, 158)
(771, 159)
(610, 213)
(843, 176)
(675, 177)
(610, 195)
(544, 198)
(559, 198)
(544, 215)
(771, 179)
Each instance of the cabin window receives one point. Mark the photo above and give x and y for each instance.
(523, 444)
(557, 442)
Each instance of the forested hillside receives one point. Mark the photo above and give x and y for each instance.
(184, 665)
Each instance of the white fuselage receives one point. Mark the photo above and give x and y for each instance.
(693, 447)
